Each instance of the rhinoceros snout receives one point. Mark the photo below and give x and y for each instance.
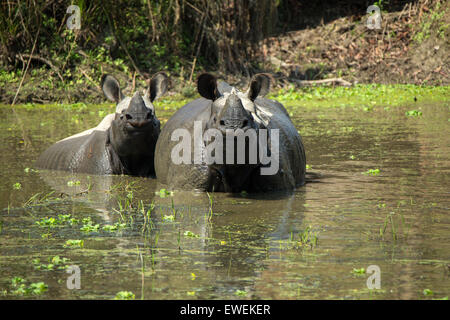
(138, 120)
(233, 123)
(139, 123)
(234, 116)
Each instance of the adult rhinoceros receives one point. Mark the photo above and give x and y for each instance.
(270, 157)
(123, 143)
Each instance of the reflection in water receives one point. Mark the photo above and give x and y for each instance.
(196, 245)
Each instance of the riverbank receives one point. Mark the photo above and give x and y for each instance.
(361, 96)
(411, 47)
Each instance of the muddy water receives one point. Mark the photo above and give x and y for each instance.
(309, 244)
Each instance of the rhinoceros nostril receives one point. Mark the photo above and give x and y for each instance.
(149, 115)
(244, 123)
(128, 116)
(222, 123)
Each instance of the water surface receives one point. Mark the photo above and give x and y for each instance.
(309, 244)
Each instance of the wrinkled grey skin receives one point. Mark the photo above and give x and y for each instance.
(123, 143)
(223, 107)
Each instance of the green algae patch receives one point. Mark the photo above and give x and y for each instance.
(359, 95)
(362, 95)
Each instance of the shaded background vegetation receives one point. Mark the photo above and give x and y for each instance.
(141, 36)
(155, 34)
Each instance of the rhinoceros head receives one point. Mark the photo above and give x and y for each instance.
(233, 109)
(135, 128)
(234, 115)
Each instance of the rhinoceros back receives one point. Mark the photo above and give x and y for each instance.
(186, 175)
(83, 154)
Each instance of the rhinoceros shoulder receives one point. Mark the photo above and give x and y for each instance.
(79, 153)
(197, 110)
(104, 125)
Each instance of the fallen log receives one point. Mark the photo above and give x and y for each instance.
(334, 81)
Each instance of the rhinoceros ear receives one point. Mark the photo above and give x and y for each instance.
(207, 86)
(111, 88)
(259, 86)
(158, 85)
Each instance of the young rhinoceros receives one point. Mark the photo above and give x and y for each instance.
(123, 143)
(231, 141)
